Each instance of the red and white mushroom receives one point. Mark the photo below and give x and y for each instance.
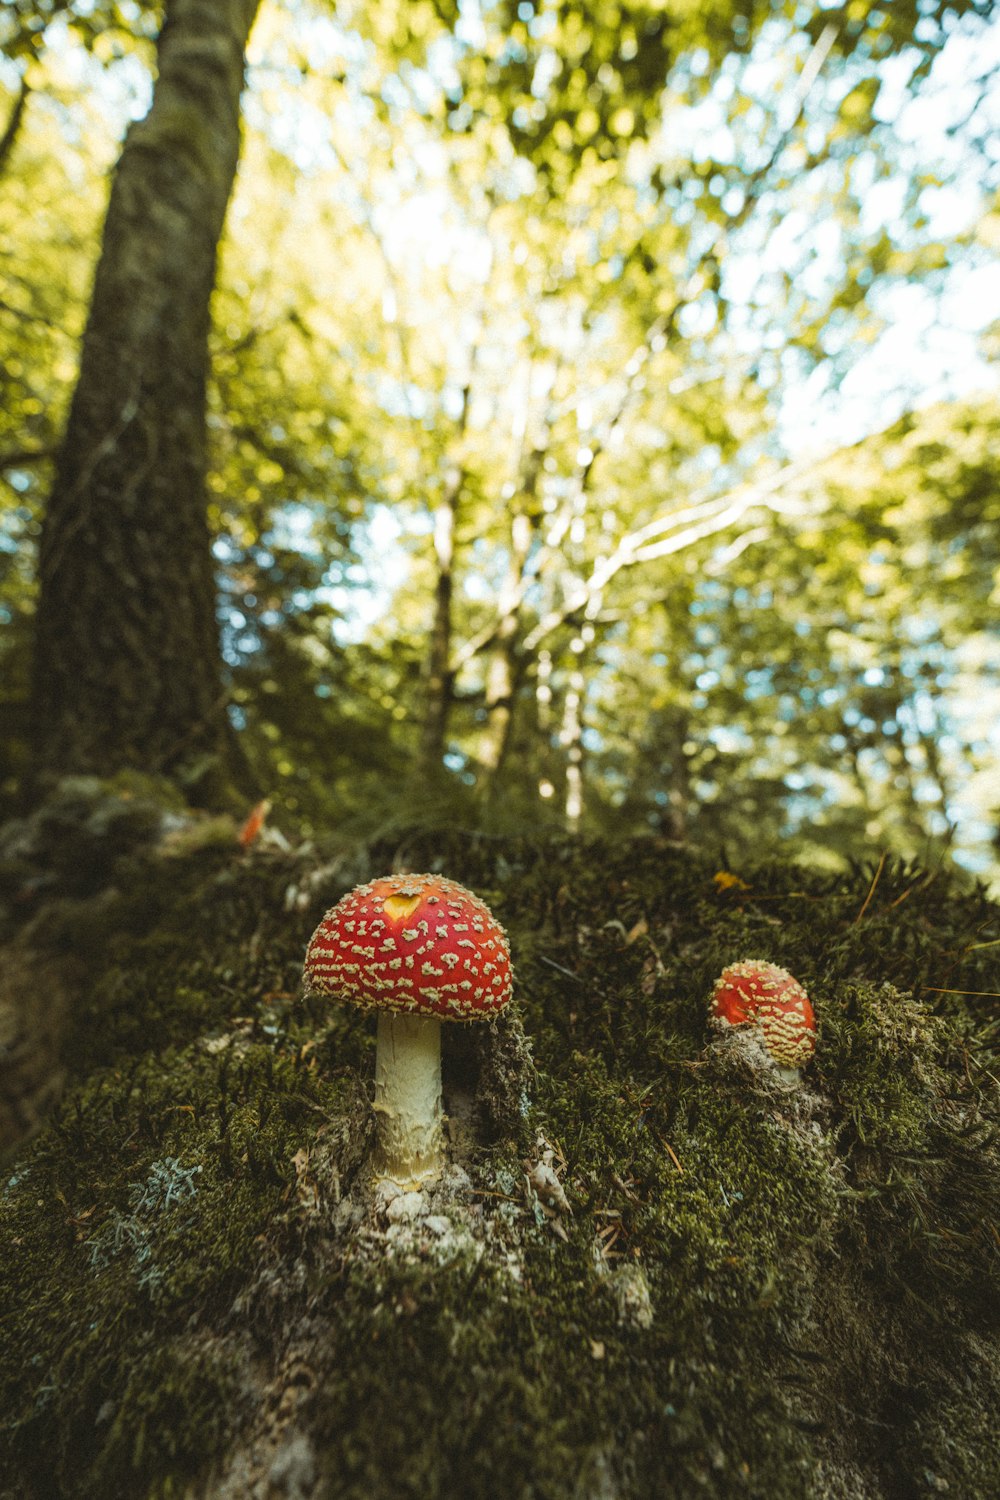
(760, 994)
(419, 949)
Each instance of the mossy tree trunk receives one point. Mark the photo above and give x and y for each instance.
(127, 664)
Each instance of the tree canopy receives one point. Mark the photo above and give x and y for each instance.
(526, 481)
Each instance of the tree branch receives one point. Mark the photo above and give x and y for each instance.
(23, 458)
(13, 127)
(700, 520)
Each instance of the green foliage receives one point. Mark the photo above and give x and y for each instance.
(560, 270)
(605, 66)
(107, 28)
(818, 684)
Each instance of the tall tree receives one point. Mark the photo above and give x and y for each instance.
(127, 667)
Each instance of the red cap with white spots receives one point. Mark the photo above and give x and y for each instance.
(771, 999)
(419, 944)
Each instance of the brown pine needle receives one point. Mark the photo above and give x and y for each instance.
(673, 1156)
(871, 889)
(934, 989)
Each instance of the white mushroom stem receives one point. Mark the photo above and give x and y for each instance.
(408, 1108)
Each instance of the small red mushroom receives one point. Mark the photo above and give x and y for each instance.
(420, 949)
(760, 994)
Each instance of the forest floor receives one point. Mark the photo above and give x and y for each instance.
(736, 1286)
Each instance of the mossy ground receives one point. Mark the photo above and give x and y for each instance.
(759, 1291)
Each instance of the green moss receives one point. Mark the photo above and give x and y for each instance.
(103, 1263)
(171, 1421)
(758, 1289)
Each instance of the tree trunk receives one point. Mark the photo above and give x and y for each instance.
(571, 740)
(127, 665)
(440, 677)
(506, 667)
(502, 680)
(675, 817)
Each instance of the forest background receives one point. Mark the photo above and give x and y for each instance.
(601, 415)
(460, 427)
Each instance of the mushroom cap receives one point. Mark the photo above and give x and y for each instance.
(773, 1000)
(420, 944)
